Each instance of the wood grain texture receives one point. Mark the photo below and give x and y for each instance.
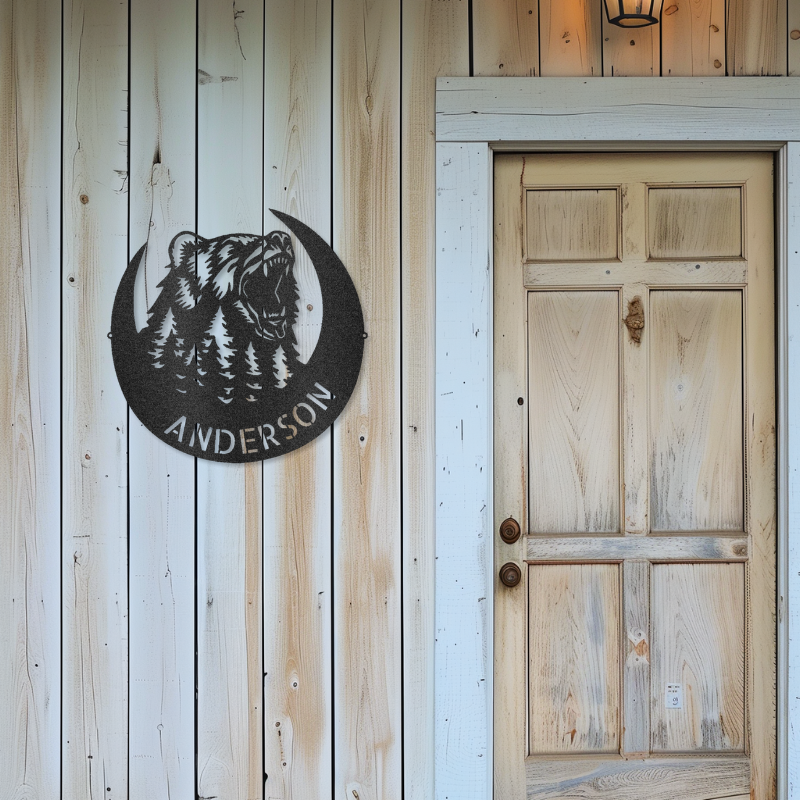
(298, 621)
(511, 459)
(435, 42)
(760, 447)
(367, 533)
(694, 222)
(789, 404)
(693, 38)
(793, 42)
(652, 548)
(505, 38)
(573, 393)
(636, 667)
(94, 416)
(574, 647)
(463, 646)
(30, 290)
(571, 224)
(570, 38)
(654, 778)
(230, 749)
(635, 363)
(612, 274)
(756, 34)
(629, 111)
(697, 463)
(162, 496)
(698, 641)
(631, 51)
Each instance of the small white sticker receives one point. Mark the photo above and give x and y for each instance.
(673, 695)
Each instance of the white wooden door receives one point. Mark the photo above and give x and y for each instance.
(635, 446)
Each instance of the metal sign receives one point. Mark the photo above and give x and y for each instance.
(214, 372)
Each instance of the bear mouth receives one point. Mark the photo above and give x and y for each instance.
(270, 319)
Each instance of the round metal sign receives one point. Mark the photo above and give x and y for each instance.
(215, 372)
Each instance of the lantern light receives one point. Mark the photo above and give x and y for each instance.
(633, 13)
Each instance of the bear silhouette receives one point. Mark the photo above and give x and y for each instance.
(221, 329)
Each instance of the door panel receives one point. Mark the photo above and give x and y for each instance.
(696, 470)
(571, 225)
(698, 645)
(695, 222)
(574, 384)
(634, 444)
(574, 678)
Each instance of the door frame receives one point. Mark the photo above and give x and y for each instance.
(474, 118)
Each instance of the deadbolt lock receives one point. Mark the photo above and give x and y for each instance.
(509, 530)
(510, 574)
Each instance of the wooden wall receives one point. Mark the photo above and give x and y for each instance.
(171, 627)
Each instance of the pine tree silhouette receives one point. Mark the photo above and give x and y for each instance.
(210, 370)
(173, 357)
(244, 371)
(255, 375)
(280, 372)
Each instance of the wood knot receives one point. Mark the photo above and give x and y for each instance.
(634, 322)
(671, 10)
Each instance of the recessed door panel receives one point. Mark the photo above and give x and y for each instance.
(696, 469)
(695, 222)
(698, 648)
(574, 411)
(574, 630)
(571, 225)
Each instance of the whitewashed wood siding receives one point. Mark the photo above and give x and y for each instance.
(172, 628)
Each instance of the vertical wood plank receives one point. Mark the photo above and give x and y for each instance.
(570, 38)
(30, 291)
(94, 416)
(636, 669)
(793, 28)
(505, 38)
(693, 38)
(366, 214)
(791, 415)
(634, 52)
(229, 518)
(756, 34)
(298, 624)
(634, 414)
(162, 480)
(435, 42)
(464, 588)
(760, 449)
(510, 421)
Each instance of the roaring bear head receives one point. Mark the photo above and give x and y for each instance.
(254, 274)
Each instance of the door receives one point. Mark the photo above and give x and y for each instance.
(634, 431)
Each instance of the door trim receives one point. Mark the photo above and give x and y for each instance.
(475, 117)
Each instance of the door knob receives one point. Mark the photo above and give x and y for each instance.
(510, 574)
(509, 530)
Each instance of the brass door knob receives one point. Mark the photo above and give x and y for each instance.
(509, 530)
(510, 574)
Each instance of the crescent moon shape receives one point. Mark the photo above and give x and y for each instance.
(320, 388)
